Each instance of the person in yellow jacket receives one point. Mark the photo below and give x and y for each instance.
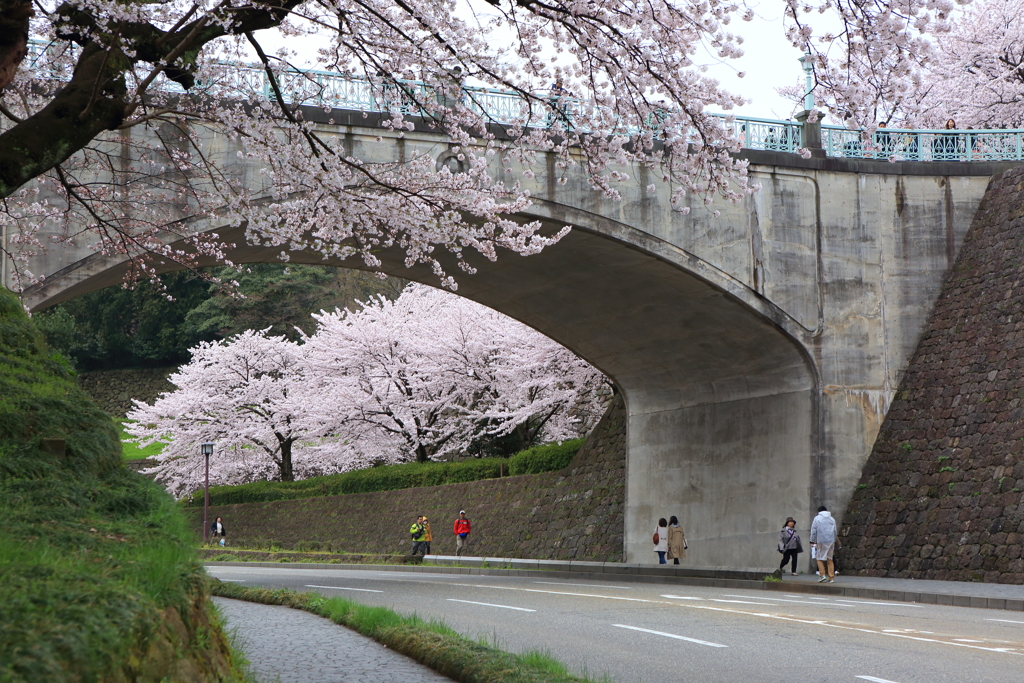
(416, 531)
(427, 536)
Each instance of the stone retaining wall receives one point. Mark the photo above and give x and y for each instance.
(942, 494)
(114, 390)
(576, 513)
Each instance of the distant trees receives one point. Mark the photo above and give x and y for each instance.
(147, 326)
(419, 378)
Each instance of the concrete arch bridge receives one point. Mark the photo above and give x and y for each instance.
(757, 350)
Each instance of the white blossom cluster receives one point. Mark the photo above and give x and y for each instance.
(423, 377)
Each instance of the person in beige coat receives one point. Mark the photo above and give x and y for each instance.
(676, 541)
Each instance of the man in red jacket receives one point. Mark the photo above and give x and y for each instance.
(461, 533)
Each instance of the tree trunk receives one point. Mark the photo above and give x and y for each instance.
(287, 474)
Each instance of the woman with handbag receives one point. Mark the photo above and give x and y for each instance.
(676, 540)
(661, 540)
(789, 544)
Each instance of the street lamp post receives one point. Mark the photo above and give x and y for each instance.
(207, 450)
(807, 62)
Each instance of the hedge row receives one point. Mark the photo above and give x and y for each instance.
(546, 458)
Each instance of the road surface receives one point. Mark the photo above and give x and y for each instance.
(645, 633)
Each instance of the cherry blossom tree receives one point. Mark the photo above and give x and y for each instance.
(432, 373)
(870, 58)
(977, 77)
(113, 67)
(248, 395)
(419, 378)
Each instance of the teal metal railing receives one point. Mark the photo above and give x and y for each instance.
(344, 91)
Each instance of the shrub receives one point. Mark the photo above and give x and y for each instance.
(546, 458)
(539, 459)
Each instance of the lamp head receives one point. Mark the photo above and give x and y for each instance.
(206, 448)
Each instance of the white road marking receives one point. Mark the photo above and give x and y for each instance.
(875, 680)
(669, 635)
(744, 602)
(488, 604)
(765, 615)
(810, 604)
(968, 640)
(887, 604)
(1006, 621)
(343, 588)
(584, 585)
(681, 597)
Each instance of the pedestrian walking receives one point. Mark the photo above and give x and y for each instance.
(790, 545)
(823, 540)
(416, 531)
(661, 540)
(427, 536)
(461, 529)
(676, 541)
(217, 529)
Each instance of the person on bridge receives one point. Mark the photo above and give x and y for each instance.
(461, 529)
(427, 536)
(661, 540)
(416, 531)
(676, 541)
(789, 544)
(823, 538)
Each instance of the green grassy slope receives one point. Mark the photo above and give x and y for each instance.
(99, 582)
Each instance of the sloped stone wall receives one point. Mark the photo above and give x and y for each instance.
(576, 513)
(942, 494)
(114, 390)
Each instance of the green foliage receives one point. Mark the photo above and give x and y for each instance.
(150, 326)
(433, 642)
(131, 449)
(947, 469)
(546, 458)
(394, 477)
(89, 553)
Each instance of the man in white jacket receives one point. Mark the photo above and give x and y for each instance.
(823, 539)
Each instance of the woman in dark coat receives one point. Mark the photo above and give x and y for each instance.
(789, 544)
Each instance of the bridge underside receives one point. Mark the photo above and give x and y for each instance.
(721, 400)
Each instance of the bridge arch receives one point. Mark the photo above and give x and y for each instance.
(720, 391)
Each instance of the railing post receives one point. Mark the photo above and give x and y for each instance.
(810, 133)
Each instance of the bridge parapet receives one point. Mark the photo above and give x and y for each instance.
(340, 91)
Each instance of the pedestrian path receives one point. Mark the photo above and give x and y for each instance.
(1003, 591)
(286, 645)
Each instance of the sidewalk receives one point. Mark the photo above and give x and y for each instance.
(293, 646)
(962, 593)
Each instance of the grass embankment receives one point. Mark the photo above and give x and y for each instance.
(546, 458)
(432, 643)
(99, 580)
(130, 449)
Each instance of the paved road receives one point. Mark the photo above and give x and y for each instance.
(292, 646)
(638, 633)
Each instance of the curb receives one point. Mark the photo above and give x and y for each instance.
(661, 577)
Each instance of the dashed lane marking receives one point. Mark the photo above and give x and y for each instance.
(670, 635)
(583, 585)
(744, 602)
(875, 680)
(345, 588)
(681, 597)
(488, 604)
(1006, 621)
(766, 615)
